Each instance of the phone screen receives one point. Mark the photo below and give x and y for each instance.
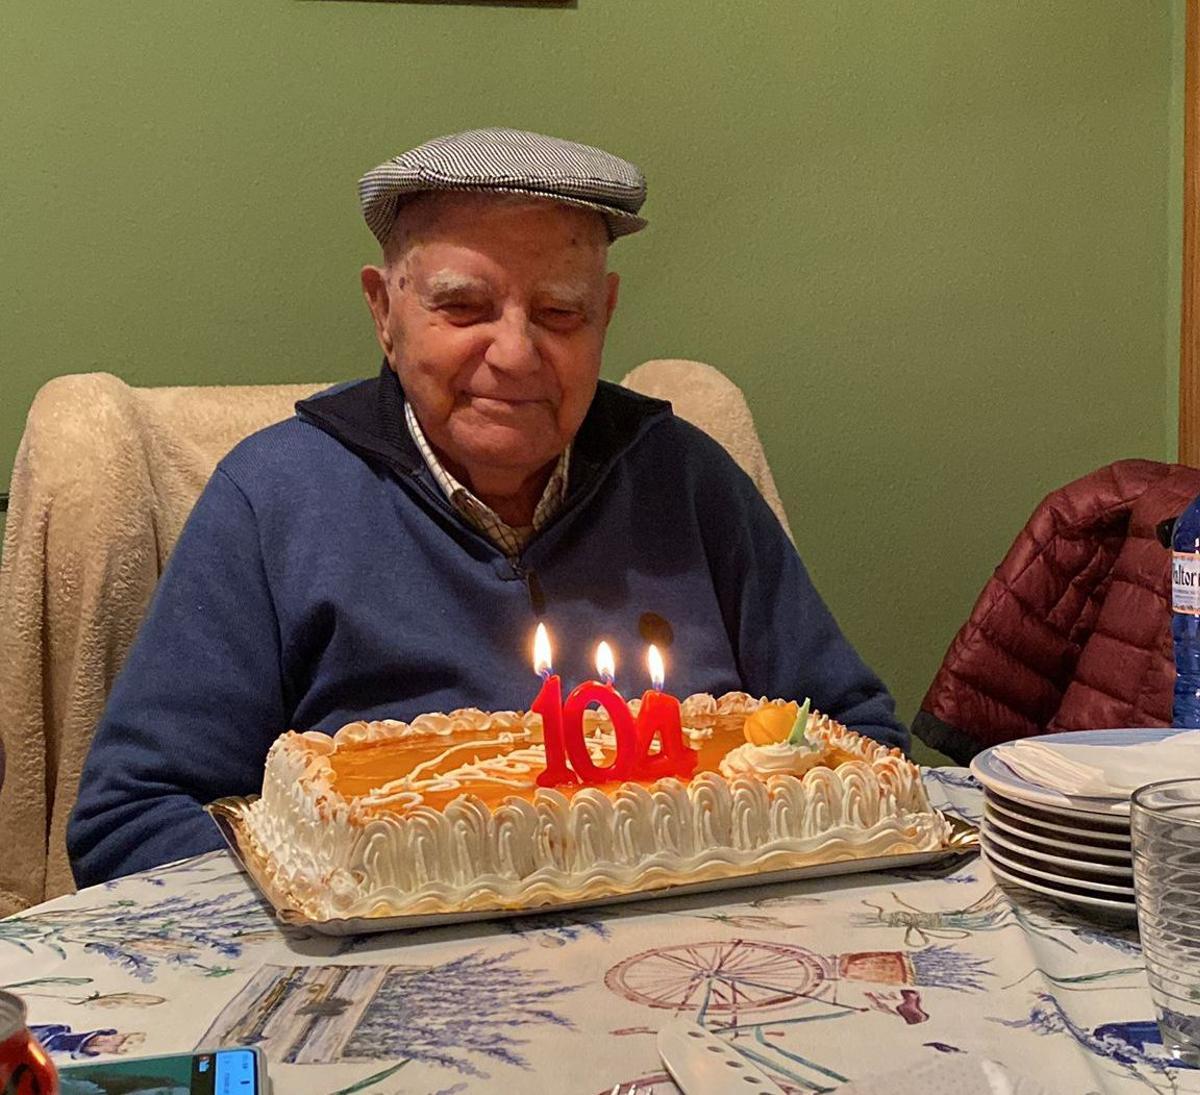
(222, 1072)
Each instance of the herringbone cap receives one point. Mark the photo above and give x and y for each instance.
(509, 161)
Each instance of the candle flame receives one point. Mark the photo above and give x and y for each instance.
(541, 651)
(657, 672)
(606, 665)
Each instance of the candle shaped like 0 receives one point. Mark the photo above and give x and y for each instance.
(606, 696)
(549, 705)
(660, 714)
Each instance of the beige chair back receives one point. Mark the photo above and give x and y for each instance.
(105, 476)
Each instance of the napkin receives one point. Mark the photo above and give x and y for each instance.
(952, 1076)
(1102, 771)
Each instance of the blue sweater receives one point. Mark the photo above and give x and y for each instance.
(323, 578)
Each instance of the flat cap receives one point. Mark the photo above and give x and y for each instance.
(508, 161)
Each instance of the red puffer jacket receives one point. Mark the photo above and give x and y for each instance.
(1073, 630)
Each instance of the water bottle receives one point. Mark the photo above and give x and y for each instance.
(1185, 616)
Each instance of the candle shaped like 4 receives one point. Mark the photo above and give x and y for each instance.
(660, 715)
(604, 695)
(549, 705)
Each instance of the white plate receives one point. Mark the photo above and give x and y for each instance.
(1017, 861)
(1125, 910)
(1080, 828)
(993, 773)
(1021, 847)
(1033, 838)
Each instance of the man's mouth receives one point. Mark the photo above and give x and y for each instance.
(503, 400)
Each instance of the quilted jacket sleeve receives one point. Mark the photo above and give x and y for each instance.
(1008, 668)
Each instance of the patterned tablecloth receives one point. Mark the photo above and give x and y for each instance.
(821, 982)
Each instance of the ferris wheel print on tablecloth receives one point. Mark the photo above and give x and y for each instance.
(727, 980)
(727, 977)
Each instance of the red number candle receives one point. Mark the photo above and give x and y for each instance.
(549, 705)
(603, 694)
(660, 715)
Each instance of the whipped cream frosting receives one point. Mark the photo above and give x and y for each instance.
(388, 854)
(779, 758)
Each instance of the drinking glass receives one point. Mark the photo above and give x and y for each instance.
(1165, 825)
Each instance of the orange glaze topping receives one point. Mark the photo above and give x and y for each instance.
(360, 768)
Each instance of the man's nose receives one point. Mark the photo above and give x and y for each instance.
(513, 347)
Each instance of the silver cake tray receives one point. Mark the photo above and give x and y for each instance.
(229, 814)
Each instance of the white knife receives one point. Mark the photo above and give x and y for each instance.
(703, 1064)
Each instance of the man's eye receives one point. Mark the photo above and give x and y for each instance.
(463, 311)
(558, 318)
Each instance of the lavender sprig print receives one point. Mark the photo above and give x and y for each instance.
(939, 779)
(948, 968)
(179, 930)
(158, 876)
(1035, 911)
(557, 929)
(951, 777)
(1122, 1043)
(1123, 940)
(473, 1005)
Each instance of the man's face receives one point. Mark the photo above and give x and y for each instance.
(493, 315)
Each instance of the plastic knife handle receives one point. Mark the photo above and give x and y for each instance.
(703, 1064)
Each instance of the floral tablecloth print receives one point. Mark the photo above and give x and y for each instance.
(818, 983)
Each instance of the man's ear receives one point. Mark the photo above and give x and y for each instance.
(614, 288)
(375, 289)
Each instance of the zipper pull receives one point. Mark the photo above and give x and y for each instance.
(537, 596)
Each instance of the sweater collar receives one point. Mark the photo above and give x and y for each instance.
(367, 417)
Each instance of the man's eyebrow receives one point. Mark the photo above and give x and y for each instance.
(447, 283)
(569, 293)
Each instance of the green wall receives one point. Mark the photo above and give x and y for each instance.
(935, 241)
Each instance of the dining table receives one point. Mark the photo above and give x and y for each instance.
(818, 983)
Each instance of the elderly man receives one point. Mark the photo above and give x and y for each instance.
(389, 550)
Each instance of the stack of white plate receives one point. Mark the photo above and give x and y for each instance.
(1071, 848)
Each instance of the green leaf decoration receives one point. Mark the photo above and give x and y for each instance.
(796, 737)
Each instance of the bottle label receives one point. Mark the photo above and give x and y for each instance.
(1185, 582)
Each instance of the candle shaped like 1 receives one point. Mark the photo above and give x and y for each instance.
(660, 714)
(607, 697)
(549, 705)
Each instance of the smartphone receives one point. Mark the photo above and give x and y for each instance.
(240, 1071)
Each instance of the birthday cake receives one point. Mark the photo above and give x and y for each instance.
(445, 814)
